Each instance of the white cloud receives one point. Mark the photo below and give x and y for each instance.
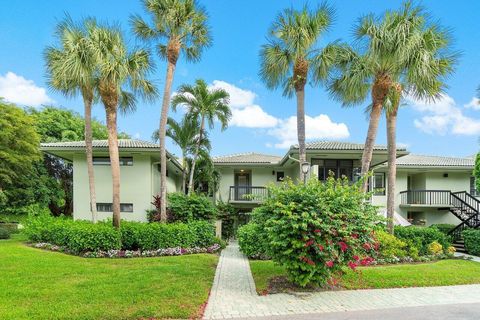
(473, 104)
(252, 117)
(17, 89)
(239, 98)
(444, 116)
(319, 127)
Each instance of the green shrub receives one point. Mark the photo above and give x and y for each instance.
(4, 233)
(443, 227)
(192, 207)
(421, 237)
(471, 237)
(317, 229)
(390, 246)
(251, 239)
(85, 236)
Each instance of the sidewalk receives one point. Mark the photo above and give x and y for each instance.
(233, 295)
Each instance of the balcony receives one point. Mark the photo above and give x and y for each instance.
(425, 198)
(247, 194)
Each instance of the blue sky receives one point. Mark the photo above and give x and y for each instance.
(262, 119)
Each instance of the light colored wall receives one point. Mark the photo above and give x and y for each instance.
(138, 184)
(135, 187)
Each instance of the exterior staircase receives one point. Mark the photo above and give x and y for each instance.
(466, 208)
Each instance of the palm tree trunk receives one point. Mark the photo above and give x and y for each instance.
(392, 166)
(370, 141)
(302, 154)
(114, 163)
(88, 100)
(184, 171)
(195, 156)
(163, 127)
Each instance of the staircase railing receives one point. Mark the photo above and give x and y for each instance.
(472, 222)
(466, 208)
(461, 209)
(468, 198)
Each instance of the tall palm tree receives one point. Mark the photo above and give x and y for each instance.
(71, 70)
(180, 27)
(291, 57)
(185, 135)
(427, 62)
(117, 68)
(207, 105)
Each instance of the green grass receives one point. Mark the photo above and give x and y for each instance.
(441, 273)
(36, 284)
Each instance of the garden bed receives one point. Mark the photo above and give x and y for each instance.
(39, 284)
(270, 278)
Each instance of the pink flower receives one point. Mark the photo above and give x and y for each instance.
(320, 247)
(309, 243)
(367, 246)
(354, 236)
(352, 265)
(343, 246)
(329, 263)
(356, 258)
(317, 231)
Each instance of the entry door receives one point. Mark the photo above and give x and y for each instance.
(242, 185)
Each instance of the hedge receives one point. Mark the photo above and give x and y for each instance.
(422, 237)
(471, 237)
(443, 227)
(83, 236)
(251, 240)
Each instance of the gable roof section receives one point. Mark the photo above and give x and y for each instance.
(247, 158)
(126, 144)
(416, 160)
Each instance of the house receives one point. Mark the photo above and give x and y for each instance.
(139, 176)
(429, 189)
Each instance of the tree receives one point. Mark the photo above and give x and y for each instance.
(427, 61)
(71, 70)
(290, 58)
(180, 27)
(118, 68)
(207, 105)
(18, 146)
(185, 134)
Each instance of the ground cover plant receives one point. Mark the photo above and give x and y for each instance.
(39, 284)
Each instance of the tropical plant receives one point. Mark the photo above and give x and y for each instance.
(206, 177)
(180, 27)
(18, 145)
(291, 58)
(118, 68)
(390, 52)
(476, 172)
(185, 135)
(71, 69)
(207, 105)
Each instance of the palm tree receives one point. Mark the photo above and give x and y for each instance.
(290, 57)
(185, 135)
(427, 62)
(116, 69)
(207, 105)
(180, 27)
(71, 70)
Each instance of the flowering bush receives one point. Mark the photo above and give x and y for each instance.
(315, 230)
(435, 248)
(131, 253)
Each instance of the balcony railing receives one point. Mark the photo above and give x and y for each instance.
(425, 197)
(251, 194)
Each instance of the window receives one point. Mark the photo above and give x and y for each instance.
(473, 187)
(105, 161)
(280, 175)
(107, 207)
(377, 184)
(338, 167)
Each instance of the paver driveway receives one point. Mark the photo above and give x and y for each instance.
(233, 295)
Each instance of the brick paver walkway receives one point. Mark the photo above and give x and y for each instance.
(233, 295)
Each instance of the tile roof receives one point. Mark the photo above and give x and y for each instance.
(250, 157)
(434, 161)
(339, 145)
(122, 143)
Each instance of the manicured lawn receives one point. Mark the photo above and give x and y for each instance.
(36, 284)
(441, 273)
